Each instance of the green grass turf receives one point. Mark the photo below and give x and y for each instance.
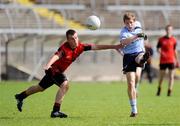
(91, 104)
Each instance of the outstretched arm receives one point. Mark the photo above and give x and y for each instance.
(123, 43)
(120, 52)
(103, 47)
(129, 40)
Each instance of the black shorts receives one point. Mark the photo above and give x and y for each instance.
(169, 66)
(49, 80)
(129, 63)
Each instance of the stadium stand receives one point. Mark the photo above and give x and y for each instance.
(52, 15)
(41, 25)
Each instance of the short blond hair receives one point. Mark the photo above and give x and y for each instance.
(129, 16)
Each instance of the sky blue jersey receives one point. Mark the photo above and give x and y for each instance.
(137, 45)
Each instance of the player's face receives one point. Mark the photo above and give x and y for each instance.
(169, 31)
(73, 40)
(130, 24)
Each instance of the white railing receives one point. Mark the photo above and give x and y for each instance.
(111, 32)
(142, 8)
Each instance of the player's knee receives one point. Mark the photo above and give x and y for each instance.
(171, 78)
(131, 86)
(65, 86)
(40, 89)
(131, 83)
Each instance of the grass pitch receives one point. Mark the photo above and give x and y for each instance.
(91, 104)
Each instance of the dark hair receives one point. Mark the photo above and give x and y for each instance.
(70, 32)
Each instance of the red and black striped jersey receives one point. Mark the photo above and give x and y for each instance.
(167, 46)
(68, 55)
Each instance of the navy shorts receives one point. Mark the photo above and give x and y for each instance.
(129, 63)
(169, 66)
(48, 80)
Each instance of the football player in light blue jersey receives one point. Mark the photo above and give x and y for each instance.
(137, 45)
(134, 56)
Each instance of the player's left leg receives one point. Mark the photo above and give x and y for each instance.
(161, 77)
(58, 101)
(171, 81)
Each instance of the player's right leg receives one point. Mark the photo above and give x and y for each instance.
(142, 58)
(145, 57)
(161, 77)
(62, 82)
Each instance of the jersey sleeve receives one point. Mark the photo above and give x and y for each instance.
(159, 44)
(123, 35)
(59, 52)
(175, 44)
(87, 47)
(175, 47)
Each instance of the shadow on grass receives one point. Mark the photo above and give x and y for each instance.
(30, 117)
(10, 118)
(6, 118)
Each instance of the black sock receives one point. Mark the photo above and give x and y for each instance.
(56, 107)
(158, 91)
(169, 92)
(22, 95)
